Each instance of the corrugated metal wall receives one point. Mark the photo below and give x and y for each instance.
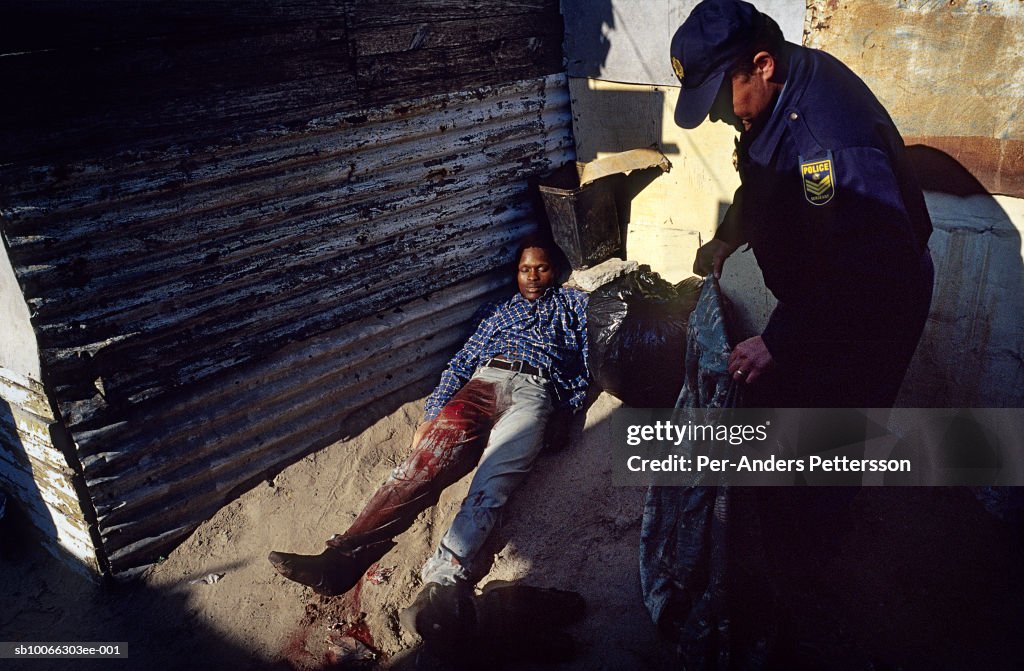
(35, 471)
(234, 223)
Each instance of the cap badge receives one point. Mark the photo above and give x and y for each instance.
(678, 67)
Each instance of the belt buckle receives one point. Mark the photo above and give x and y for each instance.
(517, 365)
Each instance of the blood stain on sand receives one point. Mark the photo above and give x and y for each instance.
(337, 616)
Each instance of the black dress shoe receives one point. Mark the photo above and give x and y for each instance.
(512, 606)
(521, 623)
(443, 615)
(331, 572)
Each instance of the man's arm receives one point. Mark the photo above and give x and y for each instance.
(751, 358)
(560, 422)
(461, 367)
(577, 387)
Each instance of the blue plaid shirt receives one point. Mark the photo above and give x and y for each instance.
(549, 333)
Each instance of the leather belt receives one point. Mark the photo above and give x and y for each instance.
(517, 366)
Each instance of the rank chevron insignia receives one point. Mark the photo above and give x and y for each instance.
(818, 180)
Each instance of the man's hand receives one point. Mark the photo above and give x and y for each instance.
(750, 360)
(420, 431)
(711, 257)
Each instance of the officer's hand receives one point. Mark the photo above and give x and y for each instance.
(749, 360)
(711, 257)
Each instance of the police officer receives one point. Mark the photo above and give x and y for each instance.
(830, 207)
(828, 203)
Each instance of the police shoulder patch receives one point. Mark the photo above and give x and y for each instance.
(819, 180)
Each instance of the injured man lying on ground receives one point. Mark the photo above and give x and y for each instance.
(526, 360)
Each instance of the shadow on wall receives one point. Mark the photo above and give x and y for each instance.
(972, 351)
(587, 38)
(607, 130)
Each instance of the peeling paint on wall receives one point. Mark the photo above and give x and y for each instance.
(948, 72)
(235, 223)
(35, 472)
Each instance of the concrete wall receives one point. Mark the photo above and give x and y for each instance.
(950, 74)
(19, 351)
(671, 215)
(627, 40)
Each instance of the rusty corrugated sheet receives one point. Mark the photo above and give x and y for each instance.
(186, 273)
(265, 415)
(235, 224)
(271, 244)
(948, 72)
(35, 471)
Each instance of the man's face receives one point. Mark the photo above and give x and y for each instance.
(745, 99)
(535, 274)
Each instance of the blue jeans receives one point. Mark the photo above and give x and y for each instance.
(521, 408)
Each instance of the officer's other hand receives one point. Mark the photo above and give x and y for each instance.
(711, 257)
(750, 360)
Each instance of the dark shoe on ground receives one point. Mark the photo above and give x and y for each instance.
(331, 572)
(507, 625)
(443, 615)
(506, 603)
(523, 623)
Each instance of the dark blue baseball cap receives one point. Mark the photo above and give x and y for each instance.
(711, 39)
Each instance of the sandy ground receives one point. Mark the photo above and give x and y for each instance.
(567, 527)
(911, 578)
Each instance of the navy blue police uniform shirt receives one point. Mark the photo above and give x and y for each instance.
(549, 333)
(834, 215)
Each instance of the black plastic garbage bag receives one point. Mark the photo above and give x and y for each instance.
(636, 327)
(687, 532)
